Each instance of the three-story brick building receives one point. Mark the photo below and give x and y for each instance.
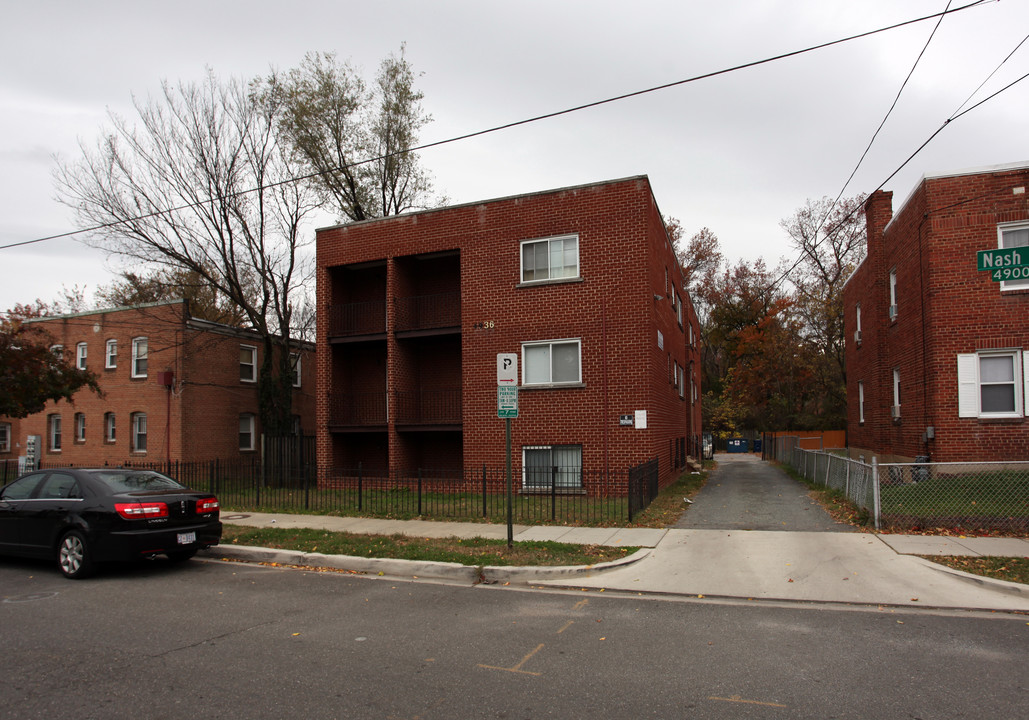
(938, 350)
(581, 283)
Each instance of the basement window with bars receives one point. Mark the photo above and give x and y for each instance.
(544, 466)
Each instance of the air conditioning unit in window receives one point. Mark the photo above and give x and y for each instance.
(857, 336)
(895, 412)
(893, 311)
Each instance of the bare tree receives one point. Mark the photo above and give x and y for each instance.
(830, 237)
(353, 140)
(202, 184)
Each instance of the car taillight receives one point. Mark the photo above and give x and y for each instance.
(207, 505)
(136, 511)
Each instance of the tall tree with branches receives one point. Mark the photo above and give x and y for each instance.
(353, 139)
(202, 184)
(830, 237)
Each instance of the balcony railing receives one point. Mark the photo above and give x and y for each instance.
(428, 312)
(429, 407)
(362, 318)
(357, 409)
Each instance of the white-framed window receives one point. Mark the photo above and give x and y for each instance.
(81, 351)
(80, 427)
(1012, 236)
(140, 352)
(682, 382)
(5, 437)
(111, 354)
(857, 323)
(893, 294)
(992, 383)
(861, 401)
(552, 362)
(546, 465)
(109, 427)
(58, 351)
(138, 443)
(555, 258)
(54, 432)
(896, 393)
(246, 431)
(247, 363)
(294, 363)
(678, 309)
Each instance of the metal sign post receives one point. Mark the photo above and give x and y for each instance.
(507, 408)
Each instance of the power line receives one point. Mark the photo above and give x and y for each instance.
(507, 126)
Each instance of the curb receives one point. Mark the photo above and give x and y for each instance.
(1011, 588)
(419, 569)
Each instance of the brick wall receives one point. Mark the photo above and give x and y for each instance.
(946, 307)
(615, 309)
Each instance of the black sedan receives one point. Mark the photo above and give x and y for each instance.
(86, 516)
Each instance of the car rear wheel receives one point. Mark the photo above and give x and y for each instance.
(73, 555)
(181, 555)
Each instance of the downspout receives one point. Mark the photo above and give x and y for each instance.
(925, 351)
(603, 350)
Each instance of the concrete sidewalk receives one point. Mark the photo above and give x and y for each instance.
(833, 567)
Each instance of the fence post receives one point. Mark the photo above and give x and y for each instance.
(360, 489)
(484, 489)
(305, 477)
(419, 492)
(876, 507)
(553, 492)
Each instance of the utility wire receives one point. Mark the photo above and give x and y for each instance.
(514, 124)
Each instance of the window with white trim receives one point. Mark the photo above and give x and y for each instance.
(246, 431)
(54, 432)
(140, 352)
(544, 466)
(678, 309)
(550, 258)
(80, 427)
(5, 437)
(893, 294)
(111, 354)
(896, 393)
(861, 401)
(857, 323)
(138, 421)
(992, 383)
(247, 363)
(58, 351)
(1013, 236)
(682, 382)
(81, 350)
(109, 427)
(294, 363)
(552, 362)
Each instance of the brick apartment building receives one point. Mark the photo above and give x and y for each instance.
(175, 389)
(582, 283)
(937, 350)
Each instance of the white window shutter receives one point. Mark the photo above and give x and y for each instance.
(968, 385)
(1025, 382)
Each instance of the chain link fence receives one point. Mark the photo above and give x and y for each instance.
(974, 498)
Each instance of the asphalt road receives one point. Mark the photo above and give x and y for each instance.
(744, 493)
(222, 640)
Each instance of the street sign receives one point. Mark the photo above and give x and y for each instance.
(507, 368)
(507, 401)
(994, 260)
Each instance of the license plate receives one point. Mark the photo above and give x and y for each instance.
(187, 538)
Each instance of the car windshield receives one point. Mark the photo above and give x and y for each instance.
(136, 480)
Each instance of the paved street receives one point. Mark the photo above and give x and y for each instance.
(219, 640)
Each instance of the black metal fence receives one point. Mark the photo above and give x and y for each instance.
(598, 498)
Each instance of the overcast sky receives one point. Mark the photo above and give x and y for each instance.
(736, 153)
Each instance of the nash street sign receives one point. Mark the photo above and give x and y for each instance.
(993, 260)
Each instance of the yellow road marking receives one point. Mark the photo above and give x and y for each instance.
(738, 699)
(518, 668)
(567, 625)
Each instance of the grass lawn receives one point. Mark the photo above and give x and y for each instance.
(474, 551)
(1012, 569)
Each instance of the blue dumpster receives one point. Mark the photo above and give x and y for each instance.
(737, 445)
